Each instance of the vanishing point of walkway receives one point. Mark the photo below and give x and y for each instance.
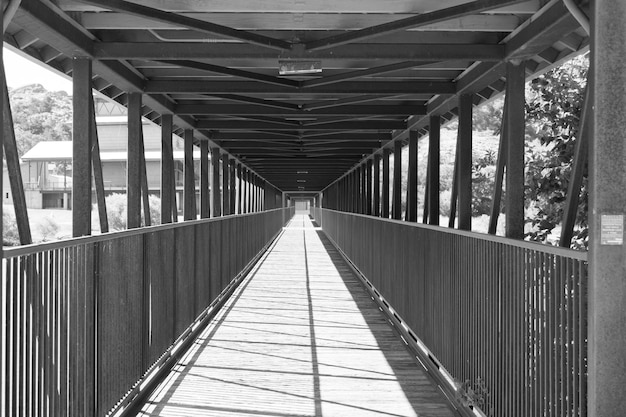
(300, 337)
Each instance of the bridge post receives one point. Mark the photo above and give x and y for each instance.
(607, 260)
(233, 186)
(464, 173)
(239, 188)
(376, 185)
(205, 211)
(368, 191)
(225, 186)
(133, 170)
(81, 161)
(434, 135)
(515, 133)
(411, 186)
(2, 87)
(190, 182)
(167, 167)
(384, 212)
(215, 182)
(396, 205)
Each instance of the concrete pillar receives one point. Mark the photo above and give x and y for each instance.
(607, 260)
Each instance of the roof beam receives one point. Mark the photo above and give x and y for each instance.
(357, 125)
(189, 23)
(361, 73)
(348, 87)
(274, 104)
(234, 72)
(410, 22)
(319, 135)
(537, 35)
(485, 74)
(240, 51)
(346, 110)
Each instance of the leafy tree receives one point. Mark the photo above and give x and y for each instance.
(554, 109)
(483, 180)
(40, 115)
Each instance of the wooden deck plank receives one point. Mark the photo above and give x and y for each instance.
(300, 337)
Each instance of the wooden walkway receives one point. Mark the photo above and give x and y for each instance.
(300, 337)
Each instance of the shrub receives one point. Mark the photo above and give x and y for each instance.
(116, 211)
(10, 234)
(48, 228)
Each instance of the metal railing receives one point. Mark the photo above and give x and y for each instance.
(86, 319)
(507, 316)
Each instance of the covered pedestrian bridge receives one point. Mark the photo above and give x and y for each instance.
(356, 307)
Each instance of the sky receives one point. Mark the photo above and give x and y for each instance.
(22, 71)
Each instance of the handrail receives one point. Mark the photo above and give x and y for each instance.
(504, 318)
(103, 315)
(13, 251)
(525, 244)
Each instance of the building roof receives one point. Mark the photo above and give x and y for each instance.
(62, 151)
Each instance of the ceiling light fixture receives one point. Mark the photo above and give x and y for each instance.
(298, 67)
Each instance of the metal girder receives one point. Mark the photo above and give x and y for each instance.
(349, 87)
(347, 110)
(550, 26)
(360, 73)
(220, 51)
(235, 72)
(410, 22)
(304, 136)
(257, 125)
(190, 23)
(65, 35)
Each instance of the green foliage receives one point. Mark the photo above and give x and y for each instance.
(554, 109)
(483, 180)
(10, 234)
(488, 116)
(48, 228)
(473, 394)
(116, 211)
(40, 115)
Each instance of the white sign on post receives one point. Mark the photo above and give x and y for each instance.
(612, 229)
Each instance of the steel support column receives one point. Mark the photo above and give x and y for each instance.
(514, 203)
(215, 185)
(205, 198)
(434, 135)
(225, 186)
(167, 168)
(98, 178)
(190, 181)
(607, 260)
(81, 160)
(384, 212)
(239, 188)
(233, 187)
(376, 180)
(411, 189)
(145, 198)
(464, 173)
(368, 191)
(133, 170)
(396, 205)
